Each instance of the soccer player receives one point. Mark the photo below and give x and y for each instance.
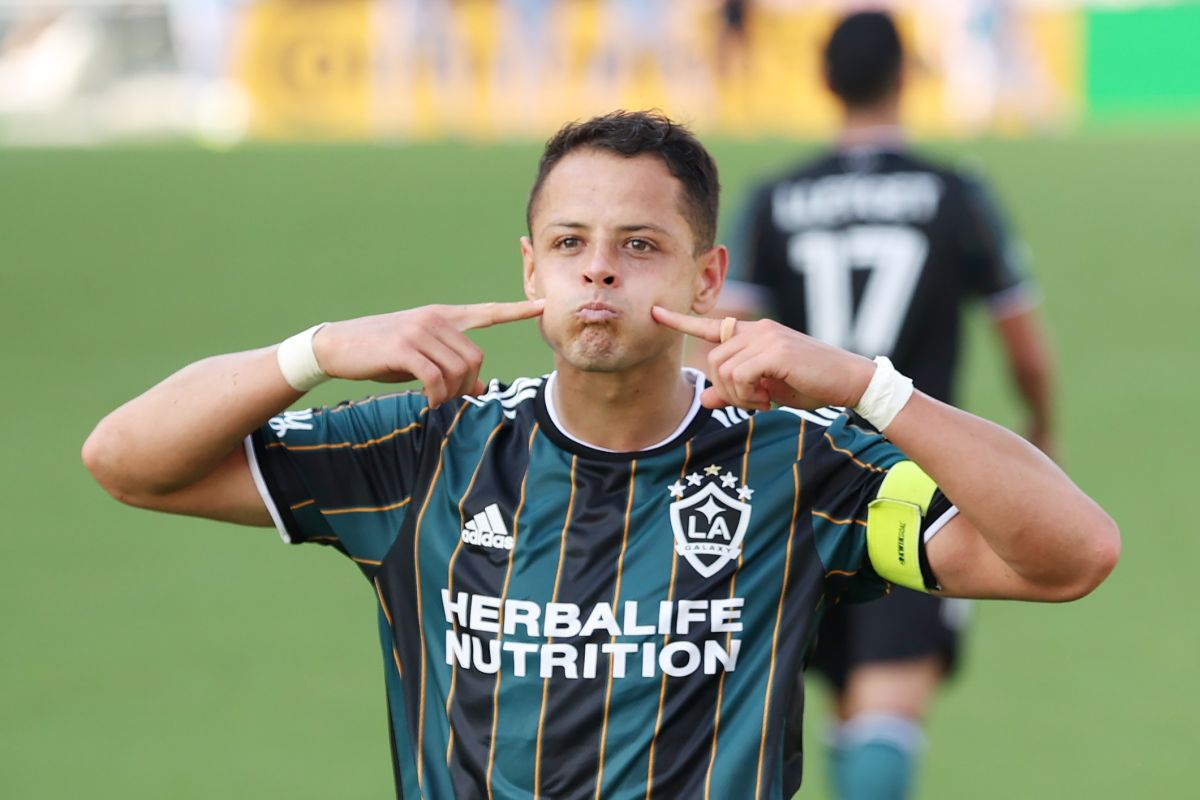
(878, 251)
(599, 582)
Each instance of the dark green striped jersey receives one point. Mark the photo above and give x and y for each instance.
(561, 621)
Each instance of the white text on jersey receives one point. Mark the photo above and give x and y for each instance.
(485, 653)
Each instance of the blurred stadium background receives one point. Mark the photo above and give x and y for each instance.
(184, 178)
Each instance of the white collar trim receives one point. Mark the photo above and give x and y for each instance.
(696, 378)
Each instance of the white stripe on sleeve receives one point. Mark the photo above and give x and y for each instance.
(264, 492)
(940, 522)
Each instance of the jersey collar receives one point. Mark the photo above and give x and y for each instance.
(692, 421)
(875, 139)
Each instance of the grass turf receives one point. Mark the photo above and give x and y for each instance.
(148, 656)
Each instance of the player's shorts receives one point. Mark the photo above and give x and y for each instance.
(903, 626)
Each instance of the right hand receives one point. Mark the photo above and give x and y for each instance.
(764, 362)
(426, 344)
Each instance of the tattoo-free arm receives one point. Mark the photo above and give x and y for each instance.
(1032, 370)
(178, 446)
(1025, 530)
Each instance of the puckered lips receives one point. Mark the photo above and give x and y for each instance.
(595, 311)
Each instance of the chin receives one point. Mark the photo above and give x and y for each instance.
(594, 349)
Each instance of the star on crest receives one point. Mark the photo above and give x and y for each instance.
(728, 481)
(676, 490)
(694, 479)
(710, 509)
(713, 470)
(745, 493)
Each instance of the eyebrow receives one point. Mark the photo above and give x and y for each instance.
(630, 228)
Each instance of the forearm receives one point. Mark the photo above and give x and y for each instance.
(177, 447)
(1036, 389)
(178, 432)
(1025, 530)
(1031, 367)
(1027, 510)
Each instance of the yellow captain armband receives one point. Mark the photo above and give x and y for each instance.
(894, 526)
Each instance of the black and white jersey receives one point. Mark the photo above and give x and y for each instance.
(876, 252)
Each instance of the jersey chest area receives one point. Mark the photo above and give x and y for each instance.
(605, 606)
(530, 543)
(546, 522)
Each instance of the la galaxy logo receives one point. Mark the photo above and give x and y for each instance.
(709, 524)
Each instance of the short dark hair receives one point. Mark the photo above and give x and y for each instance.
(632, 133)
(863, 58)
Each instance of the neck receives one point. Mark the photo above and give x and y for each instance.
(871, 126)
(623, 411)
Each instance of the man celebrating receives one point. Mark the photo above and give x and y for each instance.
(599, 583)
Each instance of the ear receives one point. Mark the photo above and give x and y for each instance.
(714, 265)
(532, 291)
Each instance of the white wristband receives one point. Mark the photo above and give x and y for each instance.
(298, 362)
(886, 394)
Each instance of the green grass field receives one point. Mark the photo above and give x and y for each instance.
(146, 657)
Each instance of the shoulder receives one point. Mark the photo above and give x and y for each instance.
(820, 165)
(797, 172)
(840, 435)
(781, 421)
(967, 181)
(506, 399)
(355, 420)
(499, 401)
(782, 417)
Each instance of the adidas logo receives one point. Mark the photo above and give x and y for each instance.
(487, 529)
(291, 421)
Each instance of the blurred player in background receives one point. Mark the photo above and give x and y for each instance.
(877, 251)
(731, 57)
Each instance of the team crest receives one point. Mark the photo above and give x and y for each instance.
(708, 523)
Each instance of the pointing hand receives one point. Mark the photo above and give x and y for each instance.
(427, 344)
(763, 362)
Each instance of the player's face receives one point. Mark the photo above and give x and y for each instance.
(609, 240)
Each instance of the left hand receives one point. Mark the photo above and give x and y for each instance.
(764, 362)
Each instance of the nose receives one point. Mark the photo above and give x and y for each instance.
(600, 268)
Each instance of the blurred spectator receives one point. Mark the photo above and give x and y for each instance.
(989, 67)
(204, 35)
(732, 43)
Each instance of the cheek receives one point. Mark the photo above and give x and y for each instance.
(554, 320)
(558, 304)
(552, 282)
(674, 292)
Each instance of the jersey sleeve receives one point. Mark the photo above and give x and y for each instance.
(341, 476)
(996, 262)
(848, 465)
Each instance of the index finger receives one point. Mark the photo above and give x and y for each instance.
(700, 327)
(481, 315)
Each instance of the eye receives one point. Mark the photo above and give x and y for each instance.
(640, 245)
(567, 243)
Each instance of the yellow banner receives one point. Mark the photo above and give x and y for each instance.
(486, 69)
(306, 67)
